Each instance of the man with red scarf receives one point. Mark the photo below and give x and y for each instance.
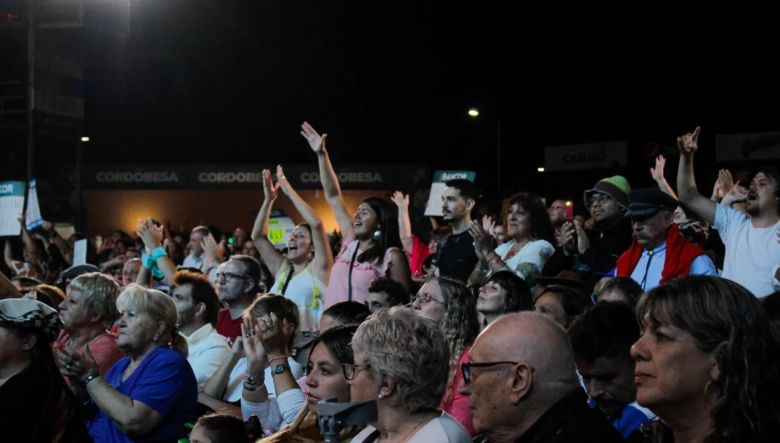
(658, 252)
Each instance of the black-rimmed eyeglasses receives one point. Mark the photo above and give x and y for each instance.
(351, 369)
(465, 368)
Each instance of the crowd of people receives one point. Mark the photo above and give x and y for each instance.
(653, 317)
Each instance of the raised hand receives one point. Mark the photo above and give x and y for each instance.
(256, 355)
(316, 141)
(726, 180)
(76, 367)
(657, 172)
(483, 241)
(281, 181)
(737, 194)
(489, 225)
(689, 143)
(565, 235)
(583, 242)
(150, 234)
(210, 247)
(270, 189)
(400, 200)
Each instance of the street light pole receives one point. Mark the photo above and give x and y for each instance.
(30, 88)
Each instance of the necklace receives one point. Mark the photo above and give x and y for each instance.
(413, 430)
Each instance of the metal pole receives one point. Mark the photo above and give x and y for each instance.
(498, 157)
(30, 88)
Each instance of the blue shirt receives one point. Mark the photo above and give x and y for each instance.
(631, 418)
(164, 381)
(649, 277)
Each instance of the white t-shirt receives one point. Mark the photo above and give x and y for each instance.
(751, 253)
(206, 350)
(301, 290)
(535, 252)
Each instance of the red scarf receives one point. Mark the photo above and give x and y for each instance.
(680, 253)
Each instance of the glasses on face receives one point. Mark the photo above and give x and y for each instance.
(425, 298)
(351, 370)
(599, 198)
(229, 276)
(465, 368)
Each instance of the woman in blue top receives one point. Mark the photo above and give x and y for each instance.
(149, 394)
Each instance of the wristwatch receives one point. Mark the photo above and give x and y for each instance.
(278, 369)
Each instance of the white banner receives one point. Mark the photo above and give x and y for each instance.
(755, 146)
(80, 252)
(586, 156)
(33, 214)
(11, 207)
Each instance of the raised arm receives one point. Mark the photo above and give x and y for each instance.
(62, 245)
(328, 178)
(686, 182)
(7, 289)
(657, 173)
(404, 223)
(272, 258)
(323, 255)
(152, 235)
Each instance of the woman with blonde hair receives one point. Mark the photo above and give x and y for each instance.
(149, 394)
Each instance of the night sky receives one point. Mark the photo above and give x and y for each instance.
(203, 81)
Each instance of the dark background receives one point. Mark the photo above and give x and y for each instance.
(203, 81)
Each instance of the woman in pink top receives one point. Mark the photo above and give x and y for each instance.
(450, 304)
(87, 314)
(371, 247)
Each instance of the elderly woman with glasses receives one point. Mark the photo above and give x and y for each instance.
(149, 394)
(402, 362)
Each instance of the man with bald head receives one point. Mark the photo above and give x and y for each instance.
(522, 385)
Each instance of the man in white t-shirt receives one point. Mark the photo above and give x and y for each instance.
(752, 256)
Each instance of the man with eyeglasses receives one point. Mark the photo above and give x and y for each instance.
(659, 252)
(237, 282)
(522, 384)
(593, 253)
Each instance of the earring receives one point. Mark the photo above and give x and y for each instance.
(377, 235)
(381, 396)
(707, 387)
(156, 338)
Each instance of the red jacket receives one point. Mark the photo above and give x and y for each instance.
(680, 253)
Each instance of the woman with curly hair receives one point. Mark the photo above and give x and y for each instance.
(452, 306)
(706, 363)
(530, 234)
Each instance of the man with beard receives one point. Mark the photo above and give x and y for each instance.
(593, 253)
(659, 252)
(197, 306)
(456, 257)
(752, 256)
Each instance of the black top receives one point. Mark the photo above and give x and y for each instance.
(571, 420)
(30, 405)
(456, 257)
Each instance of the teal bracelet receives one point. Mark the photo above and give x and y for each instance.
(90, 377)
(158, 252)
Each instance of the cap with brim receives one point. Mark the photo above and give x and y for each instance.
(74, 271)
(31, 315)
(645, 203)
(616, 187)
(566, 278)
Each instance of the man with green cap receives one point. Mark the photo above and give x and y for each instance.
(593, 253)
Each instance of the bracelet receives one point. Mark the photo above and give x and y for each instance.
(158, 252)
(90, 377)
(276, 357)
(251, 384)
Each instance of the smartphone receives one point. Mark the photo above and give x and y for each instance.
(569, 210)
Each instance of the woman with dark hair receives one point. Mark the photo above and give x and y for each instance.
(219, 428)
(452, 306)
(371, 248)
(35, 404)
(503, 292)
(706, 363)
(561, 303)
(301, 273)
(529, 231)
(325, 379)
(620, 290)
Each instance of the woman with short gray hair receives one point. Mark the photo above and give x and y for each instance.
(402, 362)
